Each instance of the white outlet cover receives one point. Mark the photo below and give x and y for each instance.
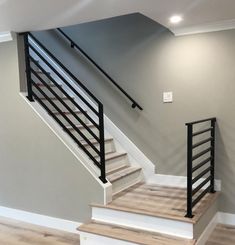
(167, 97)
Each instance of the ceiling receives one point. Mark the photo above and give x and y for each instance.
(198, 15)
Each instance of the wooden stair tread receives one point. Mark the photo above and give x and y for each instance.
(54, 98)
(159, 201)
(113, 170)
(132, 235)
(94, 141)
(49, 84)
(79, 126)
(122, 173)
(42, 71)
(113, 155)
(66, 112)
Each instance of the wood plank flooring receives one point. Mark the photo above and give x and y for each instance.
(222, 235)
(135, 236)
(17, 233)
(166, 202)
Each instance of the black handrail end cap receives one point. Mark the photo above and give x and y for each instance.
(133, 105)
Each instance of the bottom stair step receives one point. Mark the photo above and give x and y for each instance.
(132, 236)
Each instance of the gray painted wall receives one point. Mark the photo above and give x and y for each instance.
(199, 69)
(37, 172)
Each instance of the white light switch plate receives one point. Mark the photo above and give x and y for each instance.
(168, 97)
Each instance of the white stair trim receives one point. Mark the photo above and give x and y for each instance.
(87, 238)
(39, 219)
(6, 36)
(143, 222)
(133, 151)
(176, 181)
(226, 218)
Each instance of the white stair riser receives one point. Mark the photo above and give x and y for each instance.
(109, 147)
(126, 181)
(47, 91)
(143, 222)
(73, 119)
(91, 239)
(85, 132)
(60, 105)
(116, 162)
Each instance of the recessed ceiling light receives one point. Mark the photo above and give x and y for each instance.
(175, 19)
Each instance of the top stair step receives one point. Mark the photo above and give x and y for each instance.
(159, 201)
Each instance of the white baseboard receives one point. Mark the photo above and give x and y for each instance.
(92, 239)
(176, 181)
(226, 218)
(41, 220)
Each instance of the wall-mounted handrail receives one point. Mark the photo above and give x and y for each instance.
(75, 45)
(36, 75)
(206, 164)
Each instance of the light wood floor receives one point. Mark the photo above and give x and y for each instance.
(17, 233)
(167, 202)
(222, 235)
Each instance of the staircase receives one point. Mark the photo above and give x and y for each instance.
(78, 120)
(136, 213)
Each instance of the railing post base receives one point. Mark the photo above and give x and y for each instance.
(103, 179)
(189, 216)
(30, 98)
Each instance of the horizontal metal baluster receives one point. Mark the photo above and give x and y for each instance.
(201, 164)
(64, 80)
(199, 187)
(202, 142)
(65, 68)
(201, 196)
(65, 117)
(71, 99)
(202, 153)
(67, 131)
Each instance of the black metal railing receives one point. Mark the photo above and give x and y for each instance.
(40, 86)
(200, 164)
(75, 45)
